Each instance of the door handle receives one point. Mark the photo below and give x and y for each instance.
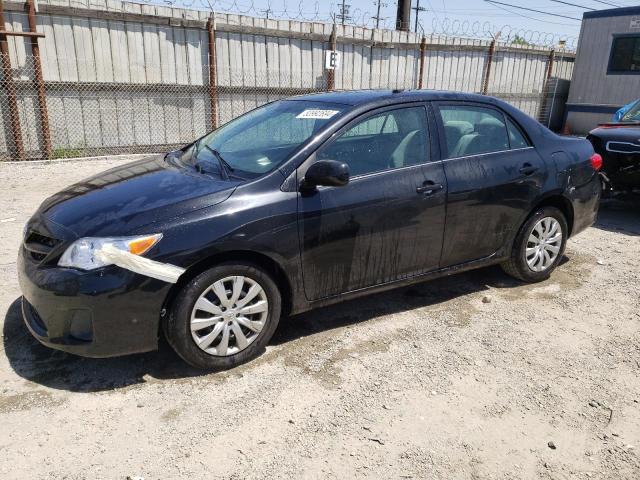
(429, 188)
(528, 169)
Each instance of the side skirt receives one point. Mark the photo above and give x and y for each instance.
(443, 272)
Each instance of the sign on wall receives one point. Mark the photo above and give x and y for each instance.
(634, 24)
(332, 60)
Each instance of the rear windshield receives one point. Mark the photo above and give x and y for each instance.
(633, 114)
(260, 140)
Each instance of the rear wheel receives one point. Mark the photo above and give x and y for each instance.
(224, 317)
(539, 246)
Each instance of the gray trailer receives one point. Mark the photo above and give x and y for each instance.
(606, 75)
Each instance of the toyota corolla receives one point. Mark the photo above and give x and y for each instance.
(298, 204)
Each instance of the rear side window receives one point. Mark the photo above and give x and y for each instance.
(516, 138)
(471, 130)
(391, 139)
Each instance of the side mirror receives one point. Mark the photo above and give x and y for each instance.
(329, 173)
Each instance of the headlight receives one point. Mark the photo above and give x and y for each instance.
(82, 253)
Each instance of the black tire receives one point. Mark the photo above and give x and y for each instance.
(517, 265)
(177, 326)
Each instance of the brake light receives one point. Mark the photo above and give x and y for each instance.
(596, 161)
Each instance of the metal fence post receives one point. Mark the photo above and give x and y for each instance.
(487, 70)
(10, 88)
(545, 86)
(331, 73)
(42, 95)
(213, 74)
(423, 50)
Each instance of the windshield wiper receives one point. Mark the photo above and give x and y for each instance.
(224, 166)
(225, 169)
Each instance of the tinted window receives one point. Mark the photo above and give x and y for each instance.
(393, 139)
(625, 54)
(516, 138)
(473, 130)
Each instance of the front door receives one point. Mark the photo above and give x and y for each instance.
(387, 223)
(493, 175)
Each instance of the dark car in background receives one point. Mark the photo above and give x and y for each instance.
(619, 145)
(298, 204)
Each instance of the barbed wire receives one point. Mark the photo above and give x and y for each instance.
(301, 10)
(504, 33)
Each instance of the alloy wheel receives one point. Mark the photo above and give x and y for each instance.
(543, 244)
(229, 315)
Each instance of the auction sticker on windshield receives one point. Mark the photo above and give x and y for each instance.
(314, 113)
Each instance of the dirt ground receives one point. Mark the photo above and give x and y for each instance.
(469, 377)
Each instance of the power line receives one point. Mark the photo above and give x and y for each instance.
(531, 10)
(528, 17)
(607, 3)
(572, 4)
(434, 12)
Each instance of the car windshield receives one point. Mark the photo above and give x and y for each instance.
(633, 114)
(259, 141)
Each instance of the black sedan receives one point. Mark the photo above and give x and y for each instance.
(298, 204)
(619, 145)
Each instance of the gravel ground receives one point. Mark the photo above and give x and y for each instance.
(470, 377)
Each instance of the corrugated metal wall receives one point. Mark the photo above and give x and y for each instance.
(595, 94)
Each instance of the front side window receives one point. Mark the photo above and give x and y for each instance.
(262, 139)
(625, 54)
(471, 130)
(392, 139)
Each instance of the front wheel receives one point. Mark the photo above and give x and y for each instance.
(224, 316)
(539, 246)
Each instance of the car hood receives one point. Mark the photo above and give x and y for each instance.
(123, 199)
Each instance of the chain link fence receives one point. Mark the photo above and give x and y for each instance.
(138, 104)
(98, 118)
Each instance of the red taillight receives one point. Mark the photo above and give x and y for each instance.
(596, 161)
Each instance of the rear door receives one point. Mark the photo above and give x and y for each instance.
(493, 175)
(387, 222)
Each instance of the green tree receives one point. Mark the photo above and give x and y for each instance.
(518, 40)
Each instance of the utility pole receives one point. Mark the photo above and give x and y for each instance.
(331, 73)
(403, 16)
(377, 18)
(344, 12)
(418, 9)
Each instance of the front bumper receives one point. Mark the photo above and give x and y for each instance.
(100, 313)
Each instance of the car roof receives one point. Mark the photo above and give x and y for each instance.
(361, 97)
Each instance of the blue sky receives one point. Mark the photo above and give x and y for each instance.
(448, 15)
